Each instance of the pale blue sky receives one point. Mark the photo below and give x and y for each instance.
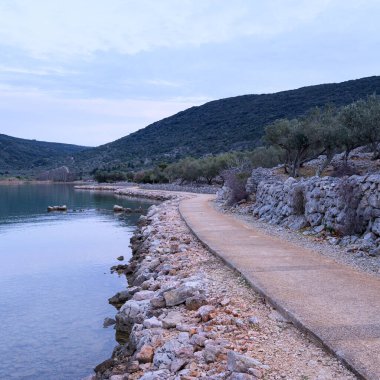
(91, 71)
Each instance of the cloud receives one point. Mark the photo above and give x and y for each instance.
(74, 28)
(44, 71)
(163, 83)
(90, 71)
(30, 113)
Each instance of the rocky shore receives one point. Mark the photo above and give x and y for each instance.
(185, 315)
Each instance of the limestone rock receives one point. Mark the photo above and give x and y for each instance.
(206, 312)
(162, 374)
(143, 295)
(241, 376)
(240, 363)
(108, 322)
(172, 319)
(152, 323)
(130, 313)
(376, 227)
(178, 296)
(195, 302)
(145, 355)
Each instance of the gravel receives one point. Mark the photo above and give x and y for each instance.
(236, 321)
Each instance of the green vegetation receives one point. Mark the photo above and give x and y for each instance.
(322, 131)
(104, 176)
(194, 145)
(361, 125)
(219, 126)
(326, 131)
(21, 156)
(202, 170)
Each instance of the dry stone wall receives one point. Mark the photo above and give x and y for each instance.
(347, 207)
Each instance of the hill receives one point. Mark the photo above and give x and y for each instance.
(219, 126)
(20, 156)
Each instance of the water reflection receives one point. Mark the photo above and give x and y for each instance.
(55, 280)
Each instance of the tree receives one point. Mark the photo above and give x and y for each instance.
(296, 138)
(361, 121)
(317, 133)
(210, 167)
(350, 133)
(325, 124)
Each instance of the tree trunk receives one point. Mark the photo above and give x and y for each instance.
(345, 157)
(325, 163)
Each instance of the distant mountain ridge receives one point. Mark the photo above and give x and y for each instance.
(219, 126)
(22, 155)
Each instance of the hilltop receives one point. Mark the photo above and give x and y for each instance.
(21, 156)
(223, 125)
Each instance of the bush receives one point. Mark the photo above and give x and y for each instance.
(351, 196)
(103, 176)
(343, 170)
(299, 200)
(236, 182)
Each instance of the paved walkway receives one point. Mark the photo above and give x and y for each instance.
(337, 305)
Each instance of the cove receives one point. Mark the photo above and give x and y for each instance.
(55, 279)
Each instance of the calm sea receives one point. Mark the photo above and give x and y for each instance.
(55, 279)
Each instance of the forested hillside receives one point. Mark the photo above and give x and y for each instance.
(21, 155)
(219, 126)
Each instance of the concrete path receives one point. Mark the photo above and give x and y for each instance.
(337, 305)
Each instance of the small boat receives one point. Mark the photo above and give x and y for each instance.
(57, 208)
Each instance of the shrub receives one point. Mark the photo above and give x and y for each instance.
(350, 196)
(236, 182)
(103, 176)
(344, 169)
(299, 200)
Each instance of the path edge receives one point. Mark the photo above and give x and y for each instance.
(275, 303)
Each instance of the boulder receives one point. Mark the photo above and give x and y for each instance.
(206, 312)
(211, 353)
(176, 348)
(172, 319)
(240, 363)
(376, 227)
(144, 295)
(120, 297)
(157, 302)
(178, 296)
(146, 353)
(195, 302)
(130, 313)
(108, 322)
(241, 376)
(152, 323)
(162, 374)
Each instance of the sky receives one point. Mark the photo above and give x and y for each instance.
(90, 71)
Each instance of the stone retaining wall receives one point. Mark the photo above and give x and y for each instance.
(344, 206)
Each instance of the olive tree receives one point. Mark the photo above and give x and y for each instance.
(361, 121)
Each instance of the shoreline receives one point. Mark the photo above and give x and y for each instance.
(189, 316)
(15, 181)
